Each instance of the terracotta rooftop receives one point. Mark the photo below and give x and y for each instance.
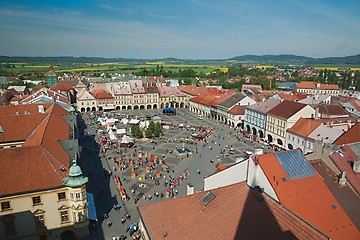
(343, 162)
(312, 85)
(137, 86)
(286, 109)
(292, 96)
(355, 103)
(101, 94)
(19, 121)
(235, 212)
(237, 110)
(22, 172)
(204, 99)
(214, 102)
(193, 90)
(308, 196)
(347, 198)
(304, 126)
(351, 136)
(62, 86)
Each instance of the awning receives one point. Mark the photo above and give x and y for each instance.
(91, 207)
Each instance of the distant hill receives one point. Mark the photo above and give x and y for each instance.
(284, 58)
(336, 60)
(287, 58)
(258, 59)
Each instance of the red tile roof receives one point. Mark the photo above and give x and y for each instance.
(345, 195)
(62, 86)
(312, 85)
(342, 161)
(19, 121)
(355, 103)
(22, 172)
(286, 109)
(351, 136)
(202, 90)
(236, 212)
(237, 110)
(304, 126)
(310, 199)
(217, 100)
(101, 94)
(193, 90)
(204, 99)
(292, 96)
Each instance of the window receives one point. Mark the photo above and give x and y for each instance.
(39, 221)
(36, 200)
(61, 196)
(81, 216)
(64, 216)
(77, 197)
(9, 227)
(83, 194)
(74, 216)
(71, 196)
(5, 206)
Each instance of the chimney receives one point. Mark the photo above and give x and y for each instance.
(356, 166)
(189, 189)
(318, 85)
(317, 113)
(342, 179)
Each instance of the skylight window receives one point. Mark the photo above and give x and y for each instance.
(1, 130)
(207, 198)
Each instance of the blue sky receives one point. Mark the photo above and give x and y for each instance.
(189, 29)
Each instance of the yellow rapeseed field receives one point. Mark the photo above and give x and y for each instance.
(264, 66)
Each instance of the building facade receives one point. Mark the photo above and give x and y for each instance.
(255, 117)
(43, 192)
(282, 117)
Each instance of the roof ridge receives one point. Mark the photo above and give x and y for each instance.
(46, 118)
(47, 153)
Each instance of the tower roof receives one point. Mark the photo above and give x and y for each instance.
(75, 179)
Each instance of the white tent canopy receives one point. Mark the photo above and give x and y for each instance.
(126, 139)
(124, 121)
(121, 131)
(134, 121)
